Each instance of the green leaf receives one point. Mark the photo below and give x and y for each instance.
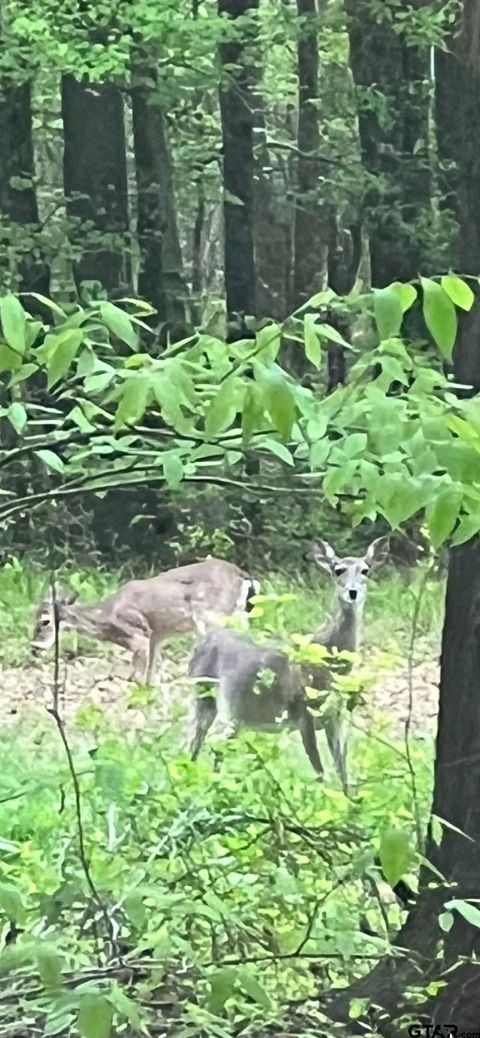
(319, 299)
(395, 854)
(223, 408)
(253, 412)
(278, 449)
(255, 990)
(172, 468)
(222, 984)
(9, 360)
(358, 1006)
(458, 291)
(95, 1016)
(440, 316)
(443, 514)
(278, 400)
(406, 293)
(325, 331)
(127, 1008)
(313, 351)
(51, 460)
(388, 311)
(62, 352)
(445, 921)
(355, 445)
(49, 965)
(54, 307)
(465, 909)
(11, 902)
(400, 498)
(133, 401)
(468, 527)
(268, 342)
(118, 322)
(17, 416)
(136, 909)
(13, 323)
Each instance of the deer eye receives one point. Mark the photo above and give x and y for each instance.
(340, 570)
(365, 571)
(45, 622)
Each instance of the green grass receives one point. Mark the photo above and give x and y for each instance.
(239, 870)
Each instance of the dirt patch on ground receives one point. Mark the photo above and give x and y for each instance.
(102, 682)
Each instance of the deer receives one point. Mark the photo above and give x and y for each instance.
(235, 664)
(144, 613)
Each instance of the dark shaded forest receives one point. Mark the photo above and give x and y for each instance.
(239, 280)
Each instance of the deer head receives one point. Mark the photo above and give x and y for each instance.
(351, 572)
(57, 598)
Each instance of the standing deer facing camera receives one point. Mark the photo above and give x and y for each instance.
(144, 613)
(235, 663)
(342, 631)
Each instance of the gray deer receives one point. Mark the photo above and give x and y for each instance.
(144, 613)
(235, 663)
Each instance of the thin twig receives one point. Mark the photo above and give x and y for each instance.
(408, 722)
(55, 714)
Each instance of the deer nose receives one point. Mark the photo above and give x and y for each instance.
(352, 594)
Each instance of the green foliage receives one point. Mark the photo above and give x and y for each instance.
(242, 856)
(117, 420)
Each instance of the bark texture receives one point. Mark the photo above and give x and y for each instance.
(237, 98)
(18, 202)
(95, 179)
(161, 279)
(392, 83)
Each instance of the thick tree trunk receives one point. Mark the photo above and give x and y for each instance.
(272, 227)
(18, 202)
(161, 280)
(457, 760)
(311, 231)
(394, 134)
(95, 178)
(237, 99)
(457, 80)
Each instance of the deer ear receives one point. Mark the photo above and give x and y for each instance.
(378, 551)
(324, 555)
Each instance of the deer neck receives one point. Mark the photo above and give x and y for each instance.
(83, 618)
(344, 629)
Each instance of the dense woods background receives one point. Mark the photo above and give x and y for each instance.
(226, 164)
(237, 177)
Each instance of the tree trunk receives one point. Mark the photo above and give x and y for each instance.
(161, 279)
(457, 759)
(457, 80)
(95, 178)
(392, 82)
(272, 227)
(237, 98)
(311, 231)
(18, 202)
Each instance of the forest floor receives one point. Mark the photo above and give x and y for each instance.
(102, 681)
(96, 676)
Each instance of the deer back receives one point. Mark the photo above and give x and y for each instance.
(255, 682)
(186, 598)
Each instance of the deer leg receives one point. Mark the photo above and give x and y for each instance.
(205, 713)
(299, 715)
(140, 647)
(152, 660)
(336, 733)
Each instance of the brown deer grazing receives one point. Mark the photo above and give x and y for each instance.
(144, 613)
(235, 664)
